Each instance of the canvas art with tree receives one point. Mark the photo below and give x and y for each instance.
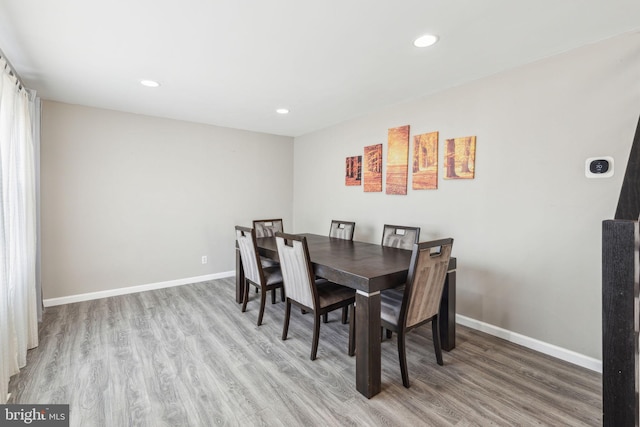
(460, 158)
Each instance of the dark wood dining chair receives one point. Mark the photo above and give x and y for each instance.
(419, 302)
(303, 290)
(400, 236)
(267, 227)
(342, 229)
(263, 278)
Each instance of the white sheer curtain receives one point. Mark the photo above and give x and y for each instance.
(18, 296)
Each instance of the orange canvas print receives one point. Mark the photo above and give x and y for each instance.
(373, 168)
(398, 160)
(353, 170)
(425, 161)
(460, 158)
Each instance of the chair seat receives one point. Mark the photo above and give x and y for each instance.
(390, 305)
(267, 262)
(272, 275)
(331, 293)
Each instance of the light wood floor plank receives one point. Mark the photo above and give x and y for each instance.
(187, 356)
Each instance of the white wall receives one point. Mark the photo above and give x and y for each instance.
(527, 228)
(130, 200)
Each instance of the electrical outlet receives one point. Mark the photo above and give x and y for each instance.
(204, 259)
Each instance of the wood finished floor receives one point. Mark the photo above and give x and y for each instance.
(187, 356)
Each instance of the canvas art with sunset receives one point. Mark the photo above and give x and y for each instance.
(398, 160)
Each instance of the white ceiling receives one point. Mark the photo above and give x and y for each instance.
(233, 62)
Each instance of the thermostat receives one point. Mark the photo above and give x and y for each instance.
(599, 167)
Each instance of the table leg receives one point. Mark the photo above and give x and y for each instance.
(448, 313)
(240, 280)
(368, 358)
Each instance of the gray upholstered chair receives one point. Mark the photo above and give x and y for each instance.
(267, 227)
(399, 236)
(342, 229)
(303, 290)
(263, 278)
(419, 302)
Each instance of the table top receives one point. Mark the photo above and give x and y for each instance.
(362, 266)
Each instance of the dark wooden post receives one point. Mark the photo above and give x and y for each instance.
(619, 323)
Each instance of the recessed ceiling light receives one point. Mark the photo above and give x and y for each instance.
(149, 83)
(425, 40)
(282, 111)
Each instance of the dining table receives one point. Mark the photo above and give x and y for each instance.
(369, 269)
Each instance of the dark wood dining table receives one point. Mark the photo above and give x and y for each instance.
(368, 268)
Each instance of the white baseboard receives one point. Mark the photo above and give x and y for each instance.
(532, 343)
(133, 289)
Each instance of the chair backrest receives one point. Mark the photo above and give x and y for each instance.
(246, 238)
(297, 272)
(342, 229)
(425, 281)
(267, 227)
(399, 236)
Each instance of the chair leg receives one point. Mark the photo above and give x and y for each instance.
(352, 330)
(435, 327)
(287, 315)
(246, 297)
(263, 302)
(402, 355)
(345, 315)
(282, 294)
(273, 296)
(325, 317)
(385, 333)
(316, 335)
